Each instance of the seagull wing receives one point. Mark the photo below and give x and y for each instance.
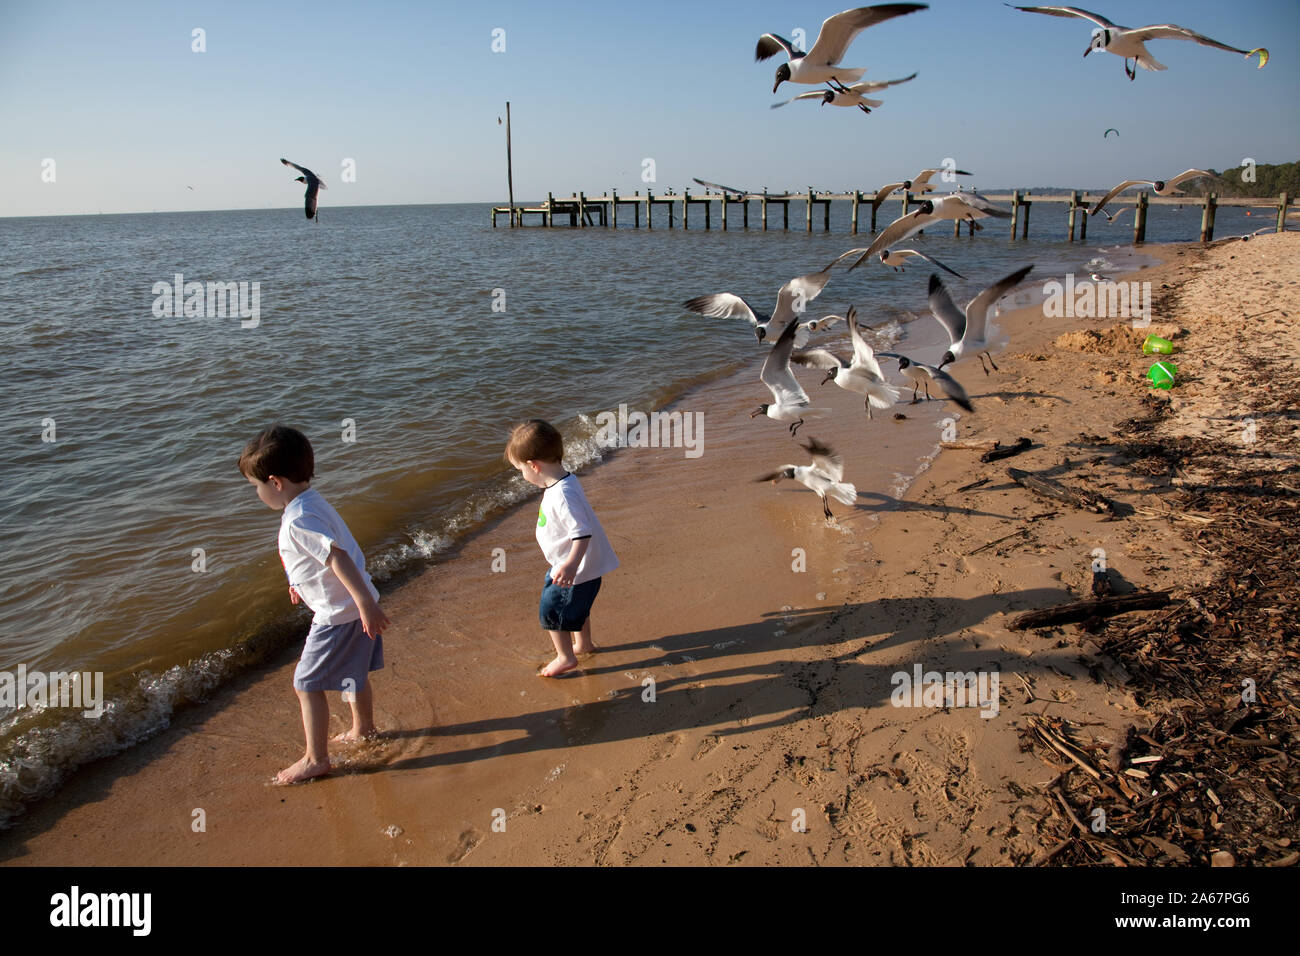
(897, 231)
(1190, 174)
(1070, 12)
(945, 310)
(797, 293)
(837, 32)
(725, 189)
(1126, 184)
(770, 44)
(311, 177)
(810, 95)
(1172, 31)
(864, 356)
(826, 459)
(951, 387)
(978, 308)
(883, 193)
(724, 305)
(978, 203)
(852, 252)
(776, 374)
(869, 87)
(929, 259)
(816, 358)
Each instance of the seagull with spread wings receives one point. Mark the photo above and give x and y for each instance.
(820, 64)
(968, 330)
(824, 476)
(1162, 187)
(790, 304)
(314, 186)
(841, 95)
(862, 375)
(1130, 43)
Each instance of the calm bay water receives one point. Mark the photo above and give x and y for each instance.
(133, 546)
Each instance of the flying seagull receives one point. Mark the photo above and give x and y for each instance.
(725, 189)
(968, 331)
(921, 375)
(1162, 187)
(314, 186)
(920, 183)
(1131, 43)
(863, 375)
(791, 403)
(823, 476)
(841, 95)
(1111, 217)
(819, 65)
(790, 303)
(959, 206)
(897, 258)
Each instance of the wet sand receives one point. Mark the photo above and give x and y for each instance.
(771, 686)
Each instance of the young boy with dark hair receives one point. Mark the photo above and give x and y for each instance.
(571, 538)
(327, 572)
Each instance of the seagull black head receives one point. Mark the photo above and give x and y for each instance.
(904, 362)
(1159, 184)
(828, 97)
(762, 410)
(782, 74)
(301, 179)
(830, 375)
(926, 206)
(760, 332)
(1100, 40)
(948, 358)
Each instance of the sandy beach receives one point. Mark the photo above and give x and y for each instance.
(741, 707)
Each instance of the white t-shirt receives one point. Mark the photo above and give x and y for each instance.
(308, 528)
(565, 516)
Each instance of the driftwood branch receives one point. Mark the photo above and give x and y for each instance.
(1085, 610)
(1006, 451)
(1047, 488)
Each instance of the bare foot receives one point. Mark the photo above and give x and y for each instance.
(354, 736)
(561, 665)
(304, 769)
(582, 650)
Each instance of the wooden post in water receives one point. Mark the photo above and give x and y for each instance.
(614, 195)
(874, 207)
(857, 200)
(550, 210)
(1024, 228)
(765, 209)
(649, 208)
(582, 209)
(746, 208)
(510, 171)
(1074, 209)
(670, 213)
(956, 228)
(1015, 212)
(708, 209)
(724, 212)
(1281, 213)
(1083, 219)
(808, 216)
(1140, 220)
(686, 208)
(1207, 217)
(826, 215)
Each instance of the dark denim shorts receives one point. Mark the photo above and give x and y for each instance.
(566, 609)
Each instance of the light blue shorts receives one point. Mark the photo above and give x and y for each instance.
(334, 653)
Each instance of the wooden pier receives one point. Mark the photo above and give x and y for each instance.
(582, 211)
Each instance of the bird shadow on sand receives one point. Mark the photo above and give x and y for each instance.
(701, 679)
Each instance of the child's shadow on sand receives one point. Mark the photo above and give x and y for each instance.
(769, 694)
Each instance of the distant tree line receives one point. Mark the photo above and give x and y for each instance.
(1270, 182)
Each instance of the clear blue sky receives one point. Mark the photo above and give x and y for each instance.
(412, 92)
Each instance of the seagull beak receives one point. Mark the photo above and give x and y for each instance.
(827, 378)
(1087, 51)
(755, 414)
